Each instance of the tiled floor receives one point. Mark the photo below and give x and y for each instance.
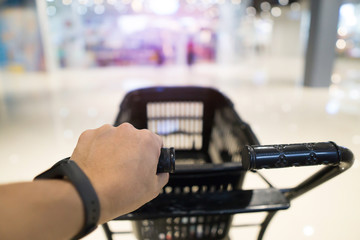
(42, 115)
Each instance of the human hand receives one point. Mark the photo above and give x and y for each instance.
(121, 164)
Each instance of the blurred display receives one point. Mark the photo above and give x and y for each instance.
(348, 43)
(20, 43)
(100, 33)
(88, 33)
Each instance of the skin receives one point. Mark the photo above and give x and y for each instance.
(121, 164)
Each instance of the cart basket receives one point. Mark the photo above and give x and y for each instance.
(215, 148)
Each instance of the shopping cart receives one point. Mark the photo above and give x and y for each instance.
(214, 151)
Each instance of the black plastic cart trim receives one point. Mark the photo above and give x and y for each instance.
(218, 200)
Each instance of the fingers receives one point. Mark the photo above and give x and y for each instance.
(121, 158)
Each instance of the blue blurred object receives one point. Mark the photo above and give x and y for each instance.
(2, 48)
(20, 42)
(16, 3)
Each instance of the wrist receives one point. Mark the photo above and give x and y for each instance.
(68, 170)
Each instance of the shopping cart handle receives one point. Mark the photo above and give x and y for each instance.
(166, 161)
(289, 155)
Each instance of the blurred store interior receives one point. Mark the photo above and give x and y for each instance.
(291, 67)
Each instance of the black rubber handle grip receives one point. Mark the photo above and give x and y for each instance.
(166, 161)
(289, 155)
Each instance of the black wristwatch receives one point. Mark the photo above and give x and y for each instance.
(69, 170)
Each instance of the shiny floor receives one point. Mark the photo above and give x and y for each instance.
(42, 115)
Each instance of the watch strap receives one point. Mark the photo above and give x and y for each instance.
(69, 170)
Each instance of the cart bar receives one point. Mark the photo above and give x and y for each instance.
(224, 203)
(289, 155)
(338, 159)
(323, 175)
(166, 161)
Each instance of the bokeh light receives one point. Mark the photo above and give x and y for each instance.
(341, 44)
(51, 11)
(265, 6)
(276, 11)
(161, 7)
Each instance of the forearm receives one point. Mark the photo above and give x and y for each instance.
(122, 176)
(44, 209)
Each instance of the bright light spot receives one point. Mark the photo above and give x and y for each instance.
(111, 2)
(98, 2)
(81, 10)
(335, 78)
(161, 236)
(284, 2)
(332, 107)
(221, 1)
(126, 1)
(347, 9)
(67, 2)
(342, 31)
(308, 231)
(341, 44)
(137, 6)
(347, 13)
(51, 11)
(265, 6)
(295, 6)
(49, 0)
(162, 7)
(356, 139)
(130, 23)
(68, 134)
(190, 1)
(276, 11)
(251, 11)
(236, 2)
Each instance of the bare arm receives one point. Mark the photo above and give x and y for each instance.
(121, 165)
(40, 210)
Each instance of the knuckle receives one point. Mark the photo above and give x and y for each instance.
(126, 126)
(147, 133)
(105, 127)
(86, 134)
